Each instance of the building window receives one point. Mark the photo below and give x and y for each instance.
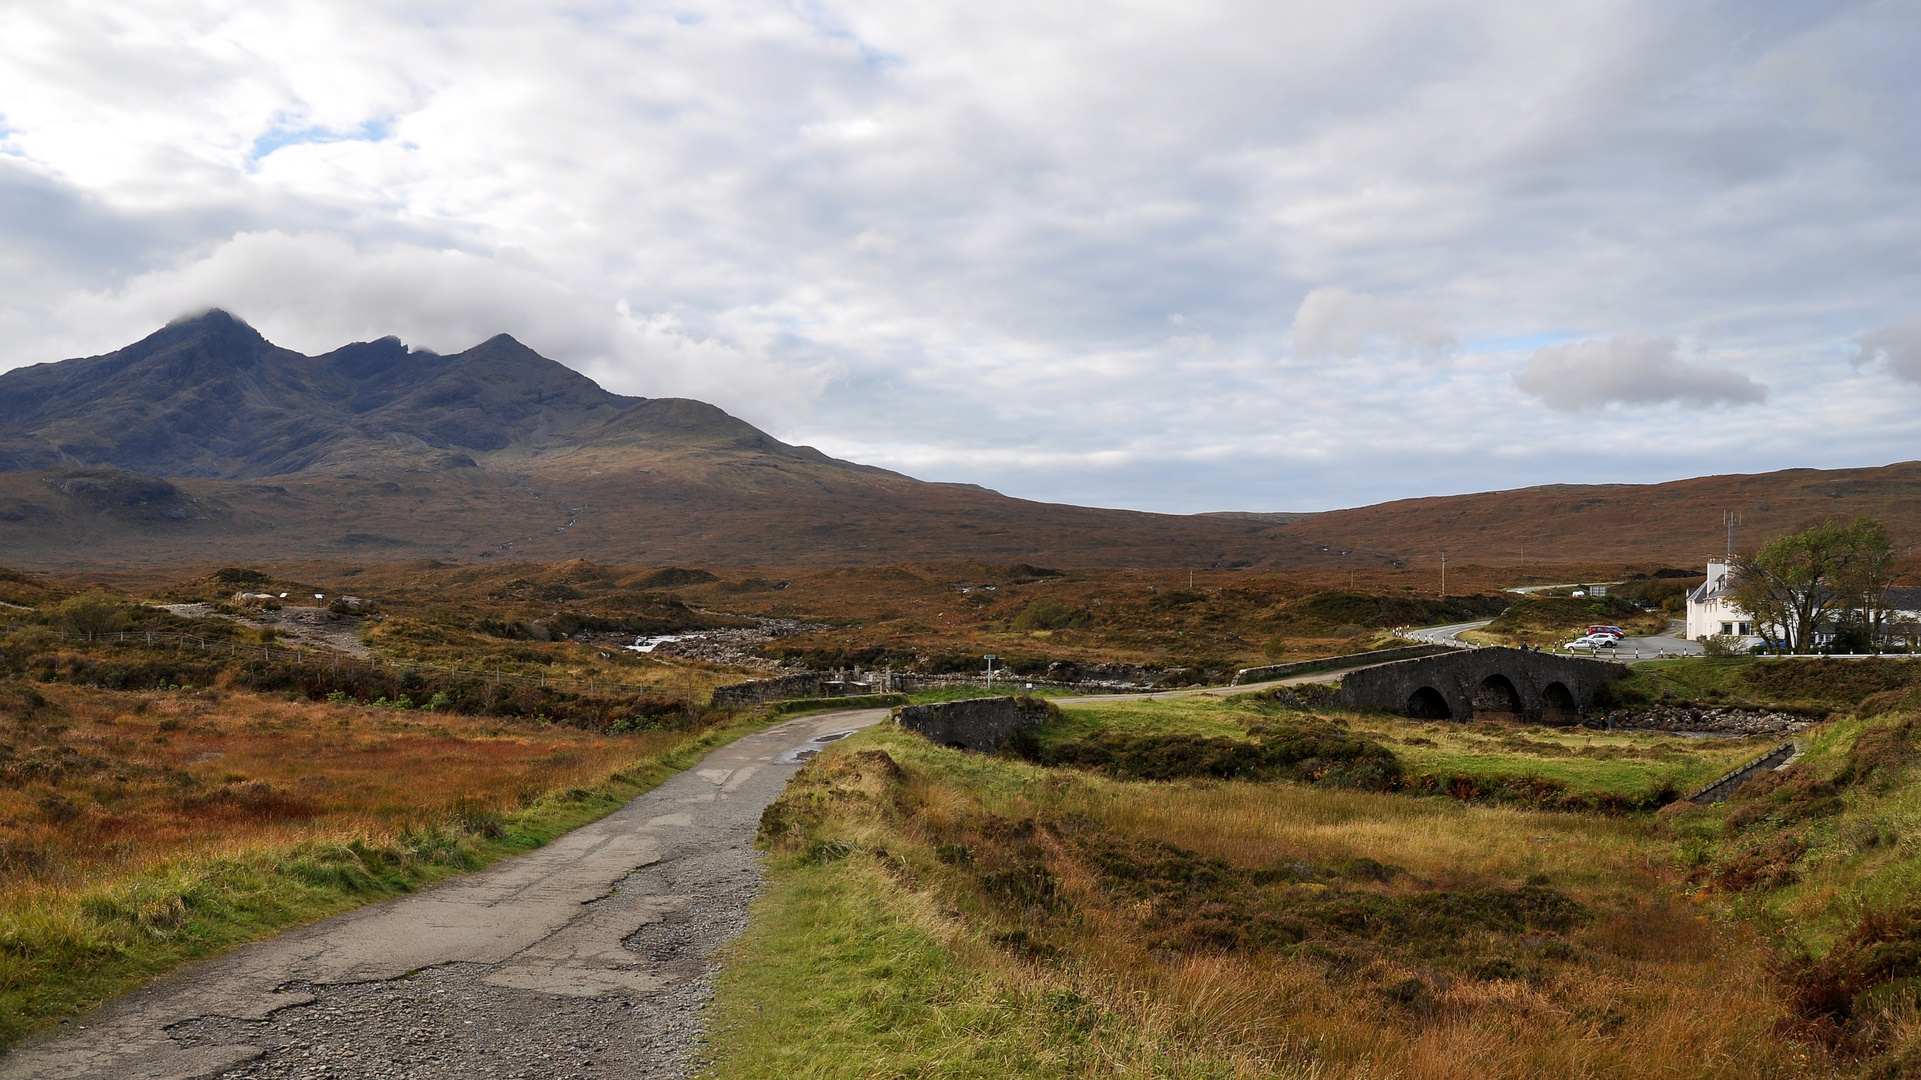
(1746, 629)
(1727, 628)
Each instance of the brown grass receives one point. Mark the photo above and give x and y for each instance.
(1641, 984)
(98, 784)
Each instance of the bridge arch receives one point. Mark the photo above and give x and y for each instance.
(1557, 704)
(1428, 703)
(1528, 685)
(1497, 695)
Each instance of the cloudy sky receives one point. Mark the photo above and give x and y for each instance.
(1185, 256)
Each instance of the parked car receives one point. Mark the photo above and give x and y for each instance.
(1592, 643)
(1612, 631)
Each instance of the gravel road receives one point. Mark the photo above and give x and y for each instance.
(585, 958)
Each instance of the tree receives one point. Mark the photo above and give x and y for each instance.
(1829, 570)
(1862, 586)
(92, 613)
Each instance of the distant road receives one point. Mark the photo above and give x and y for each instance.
(1668, 643)
(1564, 585)
(1446, 635)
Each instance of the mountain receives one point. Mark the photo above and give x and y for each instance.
(211, 397)
(206, 442)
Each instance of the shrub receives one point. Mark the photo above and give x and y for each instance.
(1048, 613)
(1320, 751)
(1721, 645)
(92, 613)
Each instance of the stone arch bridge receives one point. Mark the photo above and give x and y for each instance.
(1458, 685)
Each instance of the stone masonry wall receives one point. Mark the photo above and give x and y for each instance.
(805, 684)
(1330, 663)
(979, 724)
(1458, 676)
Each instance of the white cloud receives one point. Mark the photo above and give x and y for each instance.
(1335, 322)
(1631, 369)
(316, 291)
(953, 233)
(1899, 344)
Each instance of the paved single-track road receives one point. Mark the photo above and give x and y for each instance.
(585, 958)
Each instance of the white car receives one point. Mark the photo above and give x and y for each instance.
(1592, 643)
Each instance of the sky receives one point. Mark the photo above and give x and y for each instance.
(1176, 256)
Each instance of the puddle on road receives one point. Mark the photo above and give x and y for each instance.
(804, 753)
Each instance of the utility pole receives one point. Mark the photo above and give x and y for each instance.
(1443, 575)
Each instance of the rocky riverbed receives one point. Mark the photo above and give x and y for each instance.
(1720, 721)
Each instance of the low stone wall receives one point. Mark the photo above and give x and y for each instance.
(1331, 663)
(979, 724)
(805, 684)
(1719, 790)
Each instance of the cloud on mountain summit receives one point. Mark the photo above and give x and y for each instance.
(947, 238)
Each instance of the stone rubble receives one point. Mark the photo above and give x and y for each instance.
(735, 646)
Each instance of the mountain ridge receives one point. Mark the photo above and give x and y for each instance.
(204, 441)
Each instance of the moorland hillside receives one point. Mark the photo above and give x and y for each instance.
(206, 442)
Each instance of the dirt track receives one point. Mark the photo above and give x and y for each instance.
(585, 958)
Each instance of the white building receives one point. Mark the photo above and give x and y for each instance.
(1712, 610)
(1711, 607)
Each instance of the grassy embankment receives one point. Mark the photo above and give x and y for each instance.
(142, 830)
(937, 913)
(1825, 858)
(1812, 686)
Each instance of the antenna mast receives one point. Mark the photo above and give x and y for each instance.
(1730, 519)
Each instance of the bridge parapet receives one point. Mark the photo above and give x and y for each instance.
(1538, 687)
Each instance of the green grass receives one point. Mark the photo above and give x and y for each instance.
(1696, 679)
(1865, 857)
(843, 974)
(1010, 686)
(1197, 714)
(1624, 763)
(804, 706)
(1815, 686)
(58, 957)
(1628, 764)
